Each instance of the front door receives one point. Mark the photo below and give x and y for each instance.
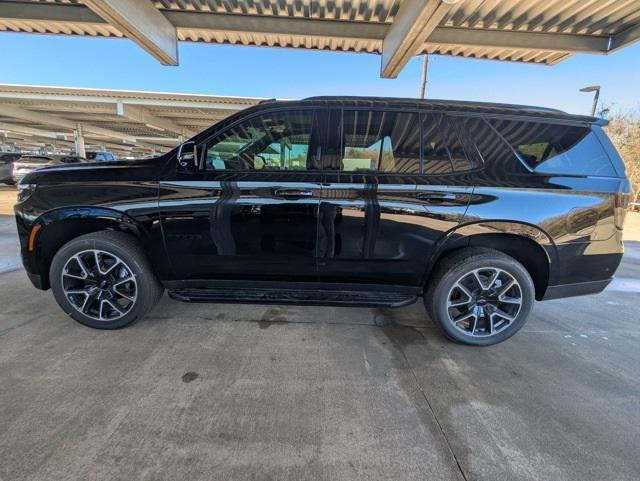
(251, 210)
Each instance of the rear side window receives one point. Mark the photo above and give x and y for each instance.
(556, 149)
(378, 141)
(447, 144)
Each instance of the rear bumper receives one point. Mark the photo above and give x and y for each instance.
(576, 289)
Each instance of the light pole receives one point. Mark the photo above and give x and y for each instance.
(596, 89)
(423, 77)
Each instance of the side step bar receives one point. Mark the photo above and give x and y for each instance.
(294, 296)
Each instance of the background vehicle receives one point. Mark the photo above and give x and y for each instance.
(478, 208)
(101, 156)
(28, 163)
(6, 166)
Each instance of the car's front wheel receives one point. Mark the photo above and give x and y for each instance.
(104, 280)
(479, 296)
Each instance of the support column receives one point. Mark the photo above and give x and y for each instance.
(423, 78)
(78, 138)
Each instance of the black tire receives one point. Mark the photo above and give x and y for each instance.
(458, 267)
(135, 265)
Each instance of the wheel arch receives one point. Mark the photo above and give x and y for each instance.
(59, 226)
(526, 243)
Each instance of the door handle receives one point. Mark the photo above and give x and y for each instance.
(293, 193)
(436, 197)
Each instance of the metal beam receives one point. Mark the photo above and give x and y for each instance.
(48, 119)
(413, 24)
(201, 105)
(229, 22)
(627, 37)
(519, 40)
(143, 116)
(49, 12)
(143, 23)
(31, 131)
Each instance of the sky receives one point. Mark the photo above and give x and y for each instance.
(291, 74)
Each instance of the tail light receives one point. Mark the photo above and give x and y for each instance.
(621, 203)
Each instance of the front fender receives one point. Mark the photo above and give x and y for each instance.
(50, 230)
(102, 213)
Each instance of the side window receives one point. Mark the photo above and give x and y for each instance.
(378, 141)
(448, 145)
(556, 149)
(496, 153)
(274, 141)
(435, 151)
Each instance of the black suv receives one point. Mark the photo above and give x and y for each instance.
(478, 208)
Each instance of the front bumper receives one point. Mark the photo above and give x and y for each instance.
(36, 280)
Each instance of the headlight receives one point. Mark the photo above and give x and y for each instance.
(25, 191)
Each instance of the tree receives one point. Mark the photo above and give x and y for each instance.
(624, 132)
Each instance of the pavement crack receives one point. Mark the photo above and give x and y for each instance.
(12, 328)
(433, 413)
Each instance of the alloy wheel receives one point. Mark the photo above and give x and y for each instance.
(99, 285)
(484, 302)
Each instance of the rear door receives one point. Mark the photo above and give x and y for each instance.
(251, 211)
(382, 211)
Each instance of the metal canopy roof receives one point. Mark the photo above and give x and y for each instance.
(536, 31)
(126, 122)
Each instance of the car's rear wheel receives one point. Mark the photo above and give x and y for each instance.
(479, 296)
(104, 280)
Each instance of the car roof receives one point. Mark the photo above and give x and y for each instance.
(460, 106)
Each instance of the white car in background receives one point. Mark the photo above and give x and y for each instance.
(7, 160)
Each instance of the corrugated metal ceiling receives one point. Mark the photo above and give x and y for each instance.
(582, 17)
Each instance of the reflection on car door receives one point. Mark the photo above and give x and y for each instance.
(251, 211)
(381, 214)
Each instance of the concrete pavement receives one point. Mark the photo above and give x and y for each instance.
(233, 392)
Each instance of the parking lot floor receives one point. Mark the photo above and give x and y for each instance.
(246, 392)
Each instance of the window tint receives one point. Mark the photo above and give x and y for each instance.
(447, 144)
(495, 152)
(380, 142)
(274, 141)
(435, 151)
(556, 149)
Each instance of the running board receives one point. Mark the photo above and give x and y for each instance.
(294, 296)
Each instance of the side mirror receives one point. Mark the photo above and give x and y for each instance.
(188, 155)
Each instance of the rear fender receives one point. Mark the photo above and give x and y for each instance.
(462, 235)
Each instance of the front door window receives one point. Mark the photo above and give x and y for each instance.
(273, 141)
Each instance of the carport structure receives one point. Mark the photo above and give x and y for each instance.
(534, 31)
(128, 123)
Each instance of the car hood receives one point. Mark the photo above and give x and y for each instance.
(111, 171)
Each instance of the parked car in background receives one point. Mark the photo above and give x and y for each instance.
(101, 156)
(479, 209)
(6, 166)
(29, 163)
